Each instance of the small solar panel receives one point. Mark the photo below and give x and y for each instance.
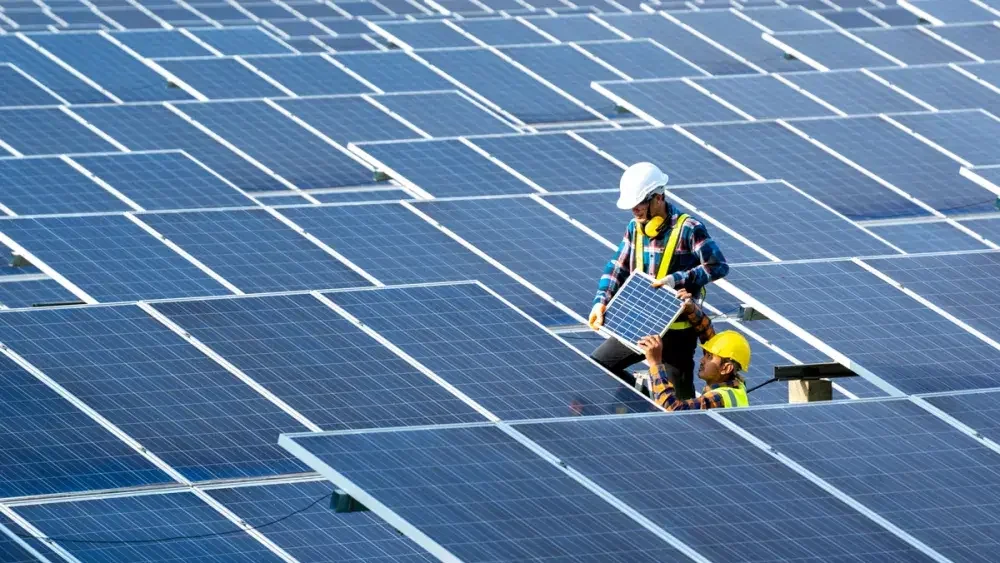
(927, 237)
(741, 37)
(348, 119)
(968, 134)
(160, 43)
(424, 35)
(981, 39)
(641, 59)
(638, 309)
(394, 71)
(567, 69)
(48, 186)
(911, 46)
(671, 101)
(764, 97)
(17, 90)
(444, 114)
(241, 41)
(943, 88)
(833, 50)
(309, 75)
(556, 162)
(219, 78)
(502, 31)
(853, 92)
(48, 131)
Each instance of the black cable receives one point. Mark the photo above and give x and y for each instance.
(175, 538)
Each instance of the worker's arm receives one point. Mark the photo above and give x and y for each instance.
(713, 264)
(663, 394)
(696, 316)
(617, 270)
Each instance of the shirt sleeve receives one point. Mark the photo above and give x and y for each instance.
(701, 322)
(713, 264)
(664, 395)
(617, 270)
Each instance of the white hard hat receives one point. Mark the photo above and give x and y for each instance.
(638, 182)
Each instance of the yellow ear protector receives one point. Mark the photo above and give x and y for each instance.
(653, 227)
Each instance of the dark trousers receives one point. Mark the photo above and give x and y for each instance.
(678, 351)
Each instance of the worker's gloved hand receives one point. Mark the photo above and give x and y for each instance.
(667, 281)
(596, 316)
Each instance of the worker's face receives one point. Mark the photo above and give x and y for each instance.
(713, 368)
(648, 209)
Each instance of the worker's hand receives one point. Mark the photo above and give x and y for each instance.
(652, 345)
(596, 316)
(684, 295)
(665, 281)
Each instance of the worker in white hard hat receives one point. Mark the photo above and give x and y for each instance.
(724, 356)
(693, 260)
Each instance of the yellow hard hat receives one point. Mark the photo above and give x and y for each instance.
(730, 345)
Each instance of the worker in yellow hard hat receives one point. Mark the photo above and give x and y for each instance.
(724, 356)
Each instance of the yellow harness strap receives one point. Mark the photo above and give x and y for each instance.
(668, 254)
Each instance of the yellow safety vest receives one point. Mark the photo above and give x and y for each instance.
(668, 255)
(734, 396)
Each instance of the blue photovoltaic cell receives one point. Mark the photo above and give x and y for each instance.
(905, 343)
(490, 352)
(971, 135)
(978, 410)
(241, 41)
(899, 158)
(445, 114)
(567, 69)
(910, 467)
(764, 97)
(639, 310)
(911, 46)
(641, 59)
(318, 362)
(927, 237)
(394, 71)
(781, 19)
(421, 253)
(154, 127)
(978, 303)
(502, 31)
(943, 88)
(573, 28)
(774, 152)
(360, 195)
(48, 131)
(425, 35)
(35, 186)
(833, 50)
(131, 520)
(309, 75)
(483, 496)
(111, 258)
(949, 11)
(17, 90)
(775, 513)
(111, 67)
(807, 230)
(254, 251)
(157, 388)
(507, 86)
(219, 78)
(533, 241)
(160, 43)
(445, 168)
(318, 534)
(27, 293)
(671, 102)
(167, 180)
(853, 92)
(52, 447)
(981, 39)
(284, 146)
(682, 159)
(348, 119)
(740, 36)
(556, 162)
(894, 15)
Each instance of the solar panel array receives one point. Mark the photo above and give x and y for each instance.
(372, 230)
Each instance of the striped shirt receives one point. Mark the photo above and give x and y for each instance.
(697, 259)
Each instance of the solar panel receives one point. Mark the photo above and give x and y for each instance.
(683, 160)
(52, 447)
(741, 37)
(507, 86)
(444, 114)
(145, 517)
(641, 59)
(833, 50)
(419, 252)
(780, 19)
(901, 159)
(160, 43)
(245, 41)
(281, 144)
(969, 134)
(308, 75)
(153, 127)
(774, 152)
(927, 237)
(572, 28)
(48, 131)
(17, 90)
(461, 487)
(424, 35)
(911, 46)
(671, 101)
(567, 69)
(317, 534)
(872, 323)
(394, 71)
(348, 119)
(943, 88)
(764, 97)
(763, 507)
(981, 39)
(48, 185)
(639, 310)
(502, 31)
(219, 78)
(444, 168)
(556, 162)
(111, 258)
(853, 92)
(111, 67)
(157, 388)
(30, 292)
(902, 462)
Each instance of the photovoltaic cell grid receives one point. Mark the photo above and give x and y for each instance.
(943, 88)
(833, 50)
(641, 59)
(16, 51)
(638, 309)
(49, 185)
(928, 237)
(897, 459)
(445, 114)
(911, 46)
(968, 134)
(982, 39)
(853, 92)
(309, 75)
(221, 78)
(742, 37)
(555, 162)
(48, 131)
(764, 97)
(241, 41)
(27, 293)
(17, 90)
(160, 43)
(506, 31)
(670, 102)
(348, 119)
(448, 474)
(573, 28)
(394, 71)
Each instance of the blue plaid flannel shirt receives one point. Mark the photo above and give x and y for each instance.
(698, 260)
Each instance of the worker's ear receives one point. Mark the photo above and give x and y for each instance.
(728, 368)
